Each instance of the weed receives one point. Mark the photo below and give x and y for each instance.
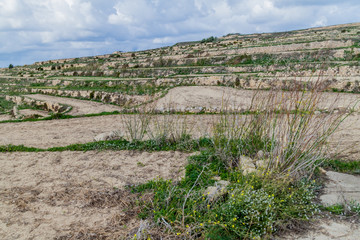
(350, 209)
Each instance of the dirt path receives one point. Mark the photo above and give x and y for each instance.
(79, 107)
(49, 194)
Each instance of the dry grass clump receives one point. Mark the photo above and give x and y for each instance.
(147, 123)
(285, 131)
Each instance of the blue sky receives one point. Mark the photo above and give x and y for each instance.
(36, 30)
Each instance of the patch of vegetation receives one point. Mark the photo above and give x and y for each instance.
(19, 148)
(351, 167)
(5, 105)
(241, 59)
(351, 209)
(183, 144)
(209, 39)
(250, 207)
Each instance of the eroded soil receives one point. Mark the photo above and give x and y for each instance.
(76, 195)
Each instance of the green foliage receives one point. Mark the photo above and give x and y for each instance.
(20, 148)
(251, 207)
(5, 105)
(183, 144)
(11, 66)
(209, 39)
(241, 59)
(353, 208)
(352, 167)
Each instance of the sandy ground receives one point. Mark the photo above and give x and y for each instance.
(32, 112)
(49, 194)
(219, 98)
(79, 107)
(5, 117)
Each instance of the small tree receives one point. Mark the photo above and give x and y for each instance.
(11, 66)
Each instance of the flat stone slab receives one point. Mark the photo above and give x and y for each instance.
(341, 188)
(329, 229)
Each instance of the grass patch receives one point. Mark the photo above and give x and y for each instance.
(351, 167)
(351, 209)
(5, 105)
(19, 148)
(183, 144)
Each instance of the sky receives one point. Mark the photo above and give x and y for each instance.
(38, 30)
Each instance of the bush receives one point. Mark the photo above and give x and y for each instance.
(11, 66)
(252, 207)
(210, 39)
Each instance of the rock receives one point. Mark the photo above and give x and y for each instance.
(15, 113)
(247, 165)
(260, 154)
(214, 192)
(323, 171)
(262, 164)
(216, 178)
(327, 229)
(107, 136)
(341, 189)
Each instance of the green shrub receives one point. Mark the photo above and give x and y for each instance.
(209, 39)
(251, 207)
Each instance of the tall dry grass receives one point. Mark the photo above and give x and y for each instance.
(288, 127)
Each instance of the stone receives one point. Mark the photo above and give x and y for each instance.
(260, 154)
(247, 165)
(15, 112)
(107, 136)
(262, 164)
(341, 188)
(214, 192)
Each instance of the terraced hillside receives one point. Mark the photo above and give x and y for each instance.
(149, 111)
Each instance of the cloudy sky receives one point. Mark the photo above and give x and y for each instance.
(36, 30)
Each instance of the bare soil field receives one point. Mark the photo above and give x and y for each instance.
(76, 195)
(225, 98)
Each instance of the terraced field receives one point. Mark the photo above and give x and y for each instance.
(52, 190)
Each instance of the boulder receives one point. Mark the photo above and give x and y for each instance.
(247, 165)
(214, 192)
(107, 136)
(341, 189)
(15, 113)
